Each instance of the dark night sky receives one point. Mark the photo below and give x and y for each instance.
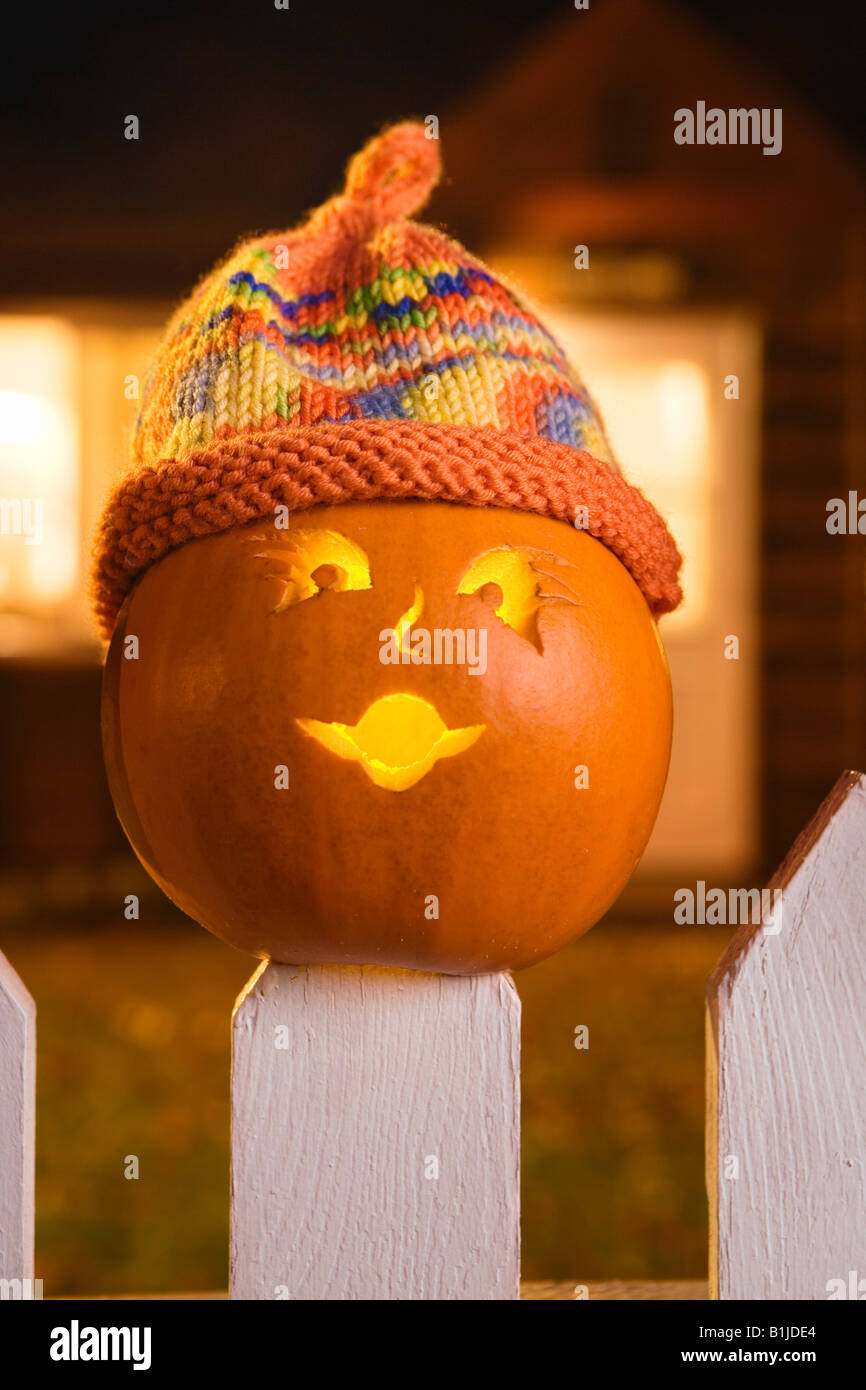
(250, 113)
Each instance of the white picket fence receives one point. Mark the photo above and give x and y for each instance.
(375, 1113)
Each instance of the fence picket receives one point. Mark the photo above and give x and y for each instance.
(17, 1125)
(786, 1075)
(375, 1135)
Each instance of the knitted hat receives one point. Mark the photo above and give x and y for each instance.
(364, 356)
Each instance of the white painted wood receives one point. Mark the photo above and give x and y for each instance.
(17, 1124)
(787, 1075)
(387, 1077)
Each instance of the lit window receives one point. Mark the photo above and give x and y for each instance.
(656, 411)
(39, 462)
(69, 393)
(687, 435)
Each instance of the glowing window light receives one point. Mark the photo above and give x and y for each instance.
(39, 462)
(656, 410)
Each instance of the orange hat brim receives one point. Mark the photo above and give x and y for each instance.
(245, 477)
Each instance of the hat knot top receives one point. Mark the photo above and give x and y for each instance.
(391, 177)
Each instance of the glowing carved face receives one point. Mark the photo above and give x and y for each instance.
(500, 671)
(401, 737)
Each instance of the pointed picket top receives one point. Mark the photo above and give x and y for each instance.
(17, 1125)
(786, 1074)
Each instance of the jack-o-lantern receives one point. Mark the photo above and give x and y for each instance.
(385, 683)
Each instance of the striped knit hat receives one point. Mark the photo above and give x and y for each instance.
(364, 356)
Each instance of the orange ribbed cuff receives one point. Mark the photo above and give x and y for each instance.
(244, 478)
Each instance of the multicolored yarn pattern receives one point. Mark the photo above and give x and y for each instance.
(424, 333)
(301, 339)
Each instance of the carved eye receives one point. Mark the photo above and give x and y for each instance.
(516, 582)
(309, 562)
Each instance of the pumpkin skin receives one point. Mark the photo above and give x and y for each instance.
(335, 868)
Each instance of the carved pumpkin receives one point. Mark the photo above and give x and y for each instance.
(428, 724)
(298, 771)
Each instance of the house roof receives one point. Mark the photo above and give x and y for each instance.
(590, 106)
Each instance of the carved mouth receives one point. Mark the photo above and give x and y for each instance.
(397, 740)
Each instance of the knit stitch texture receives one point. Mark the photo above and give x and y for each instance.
(364, 355)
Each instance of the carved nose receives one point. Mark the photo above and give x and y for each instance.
(412, 614)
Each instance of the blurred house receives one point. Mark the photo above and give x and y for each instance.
(704, 260)
(713, 297)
